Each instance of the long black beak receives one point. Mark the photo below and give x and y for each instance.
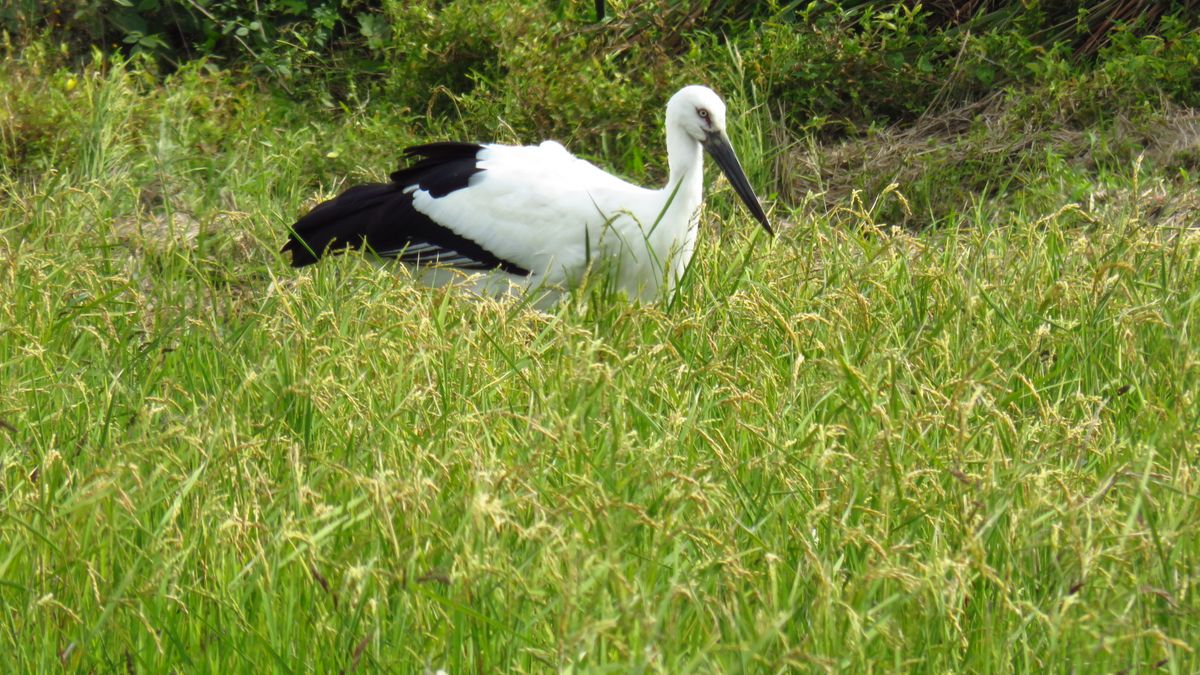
(717, 145)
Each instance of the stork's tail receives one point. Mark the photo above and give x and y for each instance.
(340, 223)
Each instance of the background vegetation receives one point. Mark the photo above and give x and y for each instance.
(946, 421)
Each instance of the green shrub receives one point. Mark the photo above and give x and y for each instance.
(281, 38)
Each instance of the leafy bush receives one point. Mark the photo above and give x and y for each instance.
(550, 68)
(273, 36)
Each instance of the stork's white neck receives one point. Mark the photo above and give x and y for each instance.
(684, 190)
(686, 159)
(674, 238)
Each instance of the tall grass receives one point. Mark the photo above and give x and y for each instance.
(852, 448)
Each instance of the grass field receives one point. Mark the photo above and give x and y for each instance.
(853, 448)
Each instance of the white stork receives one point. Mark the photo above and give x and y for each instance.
(534, 217)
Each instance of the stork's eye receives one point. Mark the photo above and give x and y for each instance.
(702, 113)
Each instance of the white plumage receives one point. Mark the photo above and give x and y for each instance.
(534, 217)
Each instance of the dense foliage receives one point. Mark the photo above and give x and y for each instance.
(852, 62)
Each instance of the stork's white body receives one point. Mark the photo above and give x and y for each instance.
(535, 217)
(579, 216)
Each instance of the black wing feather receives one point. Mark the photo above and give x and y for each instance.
(381, 216)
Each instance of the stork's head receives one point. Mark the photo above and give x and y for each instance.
(700, 113)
